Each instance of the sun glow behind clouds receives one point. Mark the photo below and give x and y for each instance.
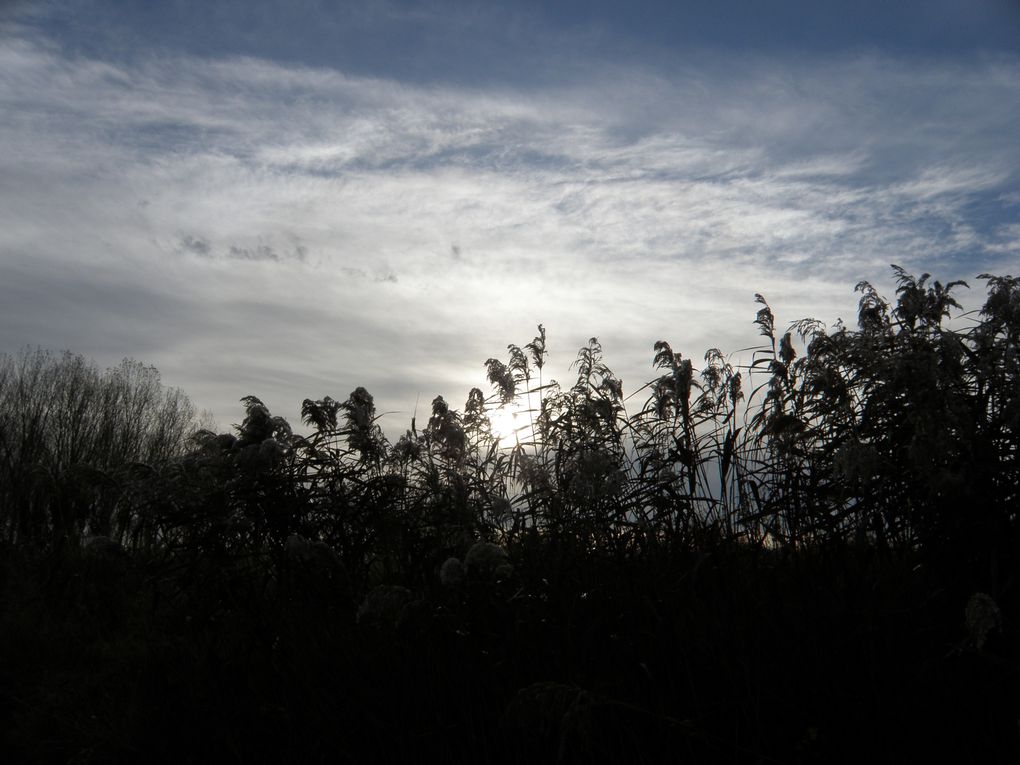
(512, 424)
(184, 210)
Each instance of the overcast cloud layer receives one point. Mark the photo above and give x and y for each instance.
(263, 226)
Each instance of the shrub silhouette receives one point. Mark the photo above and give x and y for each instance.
(73, 436)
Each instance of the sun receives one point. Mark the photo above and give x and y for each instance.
(510, 424)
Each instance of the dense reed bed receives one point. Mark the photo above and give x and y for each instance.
(808, 558)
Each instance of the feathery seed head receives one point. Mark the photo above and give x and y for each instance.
(451, 573)
(483, 559)
(983, 616)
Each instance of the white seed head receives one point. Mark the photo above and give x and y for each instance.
(983, 616)
(384, 606)
(451, 573)
(483, 559)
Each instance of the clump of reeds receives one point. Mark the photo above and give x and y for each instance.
(756, 550)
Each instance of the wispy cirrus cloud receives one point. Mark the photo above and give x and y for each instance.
(298, 231)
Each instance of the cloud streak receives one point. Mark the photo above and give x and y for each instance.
(291, 231)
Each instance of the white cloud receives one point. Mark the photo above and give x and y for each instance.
(290, 232)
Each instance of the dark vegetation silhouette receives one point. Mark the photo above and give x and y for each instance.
(808, 558)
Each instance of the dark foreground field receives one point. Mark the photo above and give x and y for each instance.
(732, 655)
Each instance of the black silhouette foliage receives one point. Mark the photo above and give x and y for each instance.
(810, 556)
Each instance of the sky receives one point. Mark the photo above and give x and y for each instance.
(293, 199)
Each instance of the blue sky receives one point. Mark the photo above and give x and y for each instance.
(293, 199)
